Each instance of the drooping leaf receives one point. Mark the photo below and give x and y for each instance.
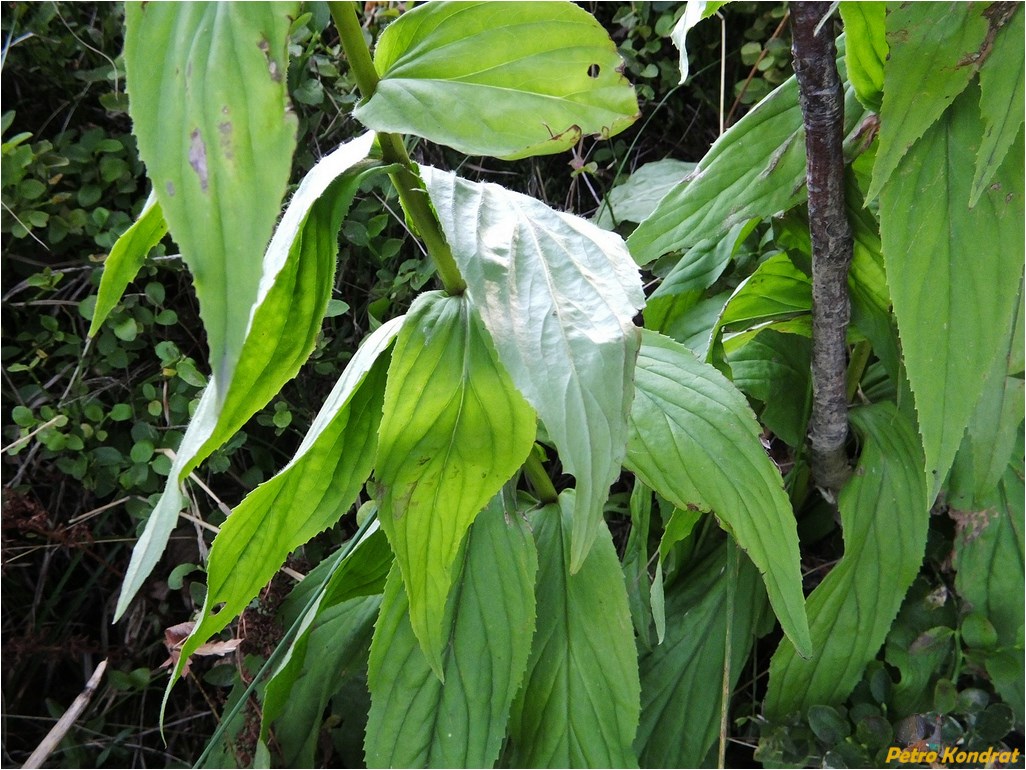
(865, 36)
(934, 53)
(558, 297)
(125, 259)
(885, 515)
(508, 79)
(332, 650)
(415, 720)
(310, 494)
(682, 676)
(694, 439)
(775, 369)
(298, 273)
(694, 12)
(1001, 101)
(455, 429)
(636, 198)
(951, 262)
(755, 170)
(578, 706)
(214, 131)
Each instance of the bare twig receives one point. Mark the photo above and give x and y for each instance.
(822, 101)
(59, 730)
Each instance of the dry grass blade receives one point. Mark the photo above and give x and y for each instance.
(59, 730)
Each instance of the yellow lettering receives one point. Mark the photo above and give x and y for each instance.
(893, 753)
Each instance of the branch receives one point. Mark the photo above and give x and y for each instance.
(822, 102)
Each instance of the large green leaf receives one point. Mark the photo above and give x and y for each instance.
(509, 79)
(455, 429)
(298, 273)
(209, 106)
(777, 290)
(579, 705)
(558, 297)
(885, 515)
(756, 169)
(125, 259)
(1001, 101)
(318, 485)
(935, 50)
(865, 39)
(954, 273)
(415, 720)
(694, 439)
(682, 676)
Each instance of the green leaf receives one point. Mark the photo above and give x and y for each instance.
(694, 12)
(125, 259)
(635, 564)
(702, 265)
(885, 515)
(865, 55)
(215, 133)
(682, 676)
(331, 651)
(468, 75)
(755, 170)
(775, 369)
(1001, 102)
(558, 297)
(298, 273)
(310, 494)
(934, 53)
(988, 558)
(415, 720)
(993, 432)
(579, 704)
(636, 198)
(695, 440)
(454, 430)
(947, 261)
(777, 290)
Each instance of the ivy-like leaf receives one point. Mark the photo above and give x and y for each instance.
(755, 170)
(885, 515)
(949, 261)
(455, 429)
(934, 53)
(558, 297)
(415, 720)
(579, 704)
(677, 677)
(694, 439)
(214, 130)
(307, 496)
(298, 272)
(1001, 101)
(865, 35)
(125, 259)
(508, 79)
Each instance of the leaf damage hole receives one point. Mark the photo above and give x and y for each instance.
(593, 71)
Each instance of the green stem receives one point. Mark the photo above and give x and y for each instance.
(856, 368)
(540, 479)
(728, 648)
(411, 190)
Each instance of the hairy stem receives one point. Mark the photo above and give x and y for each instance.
(822, 102)
(539, 479)
(411, 190)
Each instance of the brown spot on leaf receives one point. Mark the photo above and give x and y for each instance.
(198, 158)
(969, 524)
(225, 131)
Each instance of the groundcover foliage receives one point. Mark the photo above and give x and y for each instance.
(570, 380)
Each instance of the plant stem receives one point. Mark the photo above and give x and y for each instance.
(411, 190)
(822, 102)
(728, 650)
(540, 479)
